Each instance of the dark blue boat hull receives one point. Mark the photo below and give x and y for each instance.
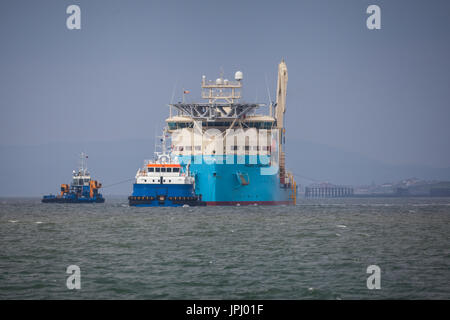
(71, 199)
(164, 195)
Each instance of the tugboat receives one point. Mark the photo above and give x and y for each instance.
(82, 189)
(164, 182)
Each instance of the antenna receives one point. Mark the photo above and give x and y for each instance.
(83, 164)
(154, 147)
(173, 96)
(163, 141)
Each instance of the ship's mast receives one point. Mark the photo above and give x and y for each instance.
(163, 141)
(163, 151)
(222, 91)
(83, 164)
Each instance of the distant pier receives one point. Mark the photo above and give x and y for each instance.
(328, 191)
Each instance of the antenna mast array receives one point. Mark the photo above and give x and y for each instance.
(83, 164)
(222, 95)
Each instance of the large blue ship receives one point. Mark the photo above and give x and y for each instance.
(82, 189)
(233, 154)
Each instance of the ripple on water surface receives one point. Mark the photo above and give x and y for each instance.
(315, 250)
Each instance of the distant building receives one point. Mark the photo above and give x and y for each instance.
(411, 187)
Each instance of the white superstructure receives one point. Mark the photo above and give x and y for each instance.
(163, 169)
(81, 177)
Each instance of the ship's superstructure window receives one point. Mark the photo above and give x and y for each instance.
(169, 169)
(226, 124)
(180, 125)
(198, 148)
(151, 169)
(163, 169)
(176, 169)
(157, 169)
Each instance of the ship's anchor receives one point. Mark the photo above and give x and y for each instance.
(243, 178)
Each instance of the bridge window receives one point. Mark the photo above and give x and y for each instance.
(157, 169)
(151, 169)
(176, 169)
(179, 125)
(169, 169)
(163, 169)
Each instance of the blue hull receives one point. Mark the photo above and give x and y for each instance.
(225, 184)
(164, 195)
(71, 198)
(222, 184)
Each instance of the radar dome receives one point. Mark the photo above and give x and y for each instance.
(238, 76)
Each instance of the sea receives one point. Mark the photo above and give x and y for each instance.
(347, 248)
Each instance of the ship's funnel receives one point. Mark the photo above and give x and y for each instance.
(281, 94)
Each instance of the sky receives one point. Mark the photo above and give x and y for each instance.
(381, 93)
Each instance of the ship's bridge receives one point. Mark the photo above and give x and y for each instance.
(251, 121)
(157, 169)
(162, 173)
(81, 180)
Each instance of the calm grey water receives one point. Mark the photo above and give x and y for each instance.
(316, 250)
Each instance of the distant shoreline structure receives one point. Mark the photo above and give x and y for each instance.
(408, 188)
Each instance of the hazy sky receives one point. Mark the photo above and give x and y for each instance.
(382, 93)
